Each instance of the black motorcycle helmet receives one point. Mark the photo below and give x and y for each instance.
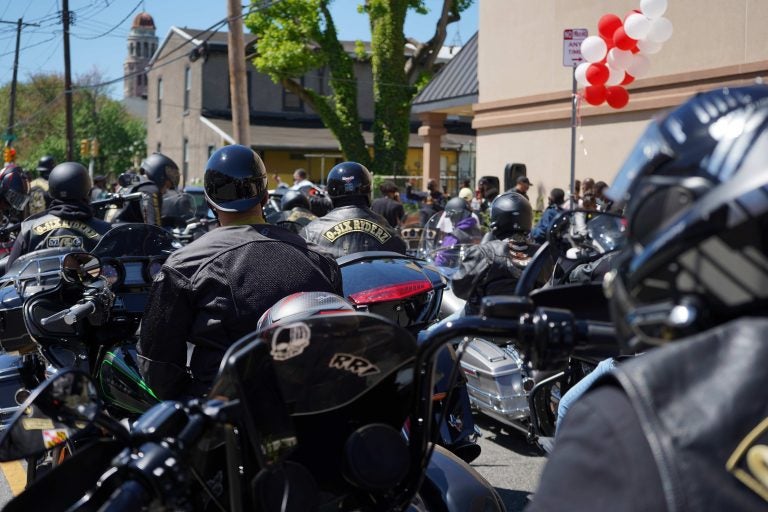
(293, 198)
(511, 214)
(695, 188)
(45, 165)
(159, 168)
(235, 179)
(457, 209)
(348, 182)
(69, 181)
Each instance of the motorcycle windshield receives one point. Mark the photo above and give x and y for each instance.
(444, 244)
(608, 232)
(134, 240)
(326, 362)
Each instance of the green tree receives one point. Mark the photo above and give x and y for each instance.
(40, 123)
(298, 36)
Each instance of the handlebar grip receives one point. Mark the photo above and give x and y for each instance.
(70, 315)
(130, 496)
(79, 311)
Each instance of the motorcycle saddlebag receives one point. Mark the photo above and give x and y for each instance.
(13, 333)
(496, 379)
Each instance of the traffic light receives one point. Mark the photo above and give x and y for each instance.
(9, 154)
(84, 143)
(95, 148)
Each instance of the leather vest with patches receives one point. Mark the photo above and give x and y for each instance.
(703, 406)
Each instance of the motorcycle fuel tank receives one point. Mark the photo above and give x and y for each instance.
(122, 383)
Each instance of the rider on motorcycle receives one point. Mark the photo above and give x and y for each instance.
(38, 188)
(69, 222)
(294, 213)
(212, 292)
(352, 226)
(162, 174)
(494, 266)
(685, 422)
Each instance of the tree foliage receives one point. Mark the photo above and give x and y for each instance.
(40, 123)
(298, 36)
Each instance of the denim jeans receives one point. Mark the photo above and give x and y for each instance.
(581, 387)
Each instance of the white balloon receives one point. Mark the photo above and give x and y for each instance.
(581, 73)
(593, 49)
(616, 76)
(653, 8)
(649, 47)
(637, 26)
(619, 59)
(661, 30)
(639, 66)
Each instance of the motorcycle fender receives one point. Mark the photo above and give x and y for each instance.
(453, 485)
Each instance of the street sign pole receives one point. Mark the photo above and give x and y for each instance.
(572, 38)
(574, 99)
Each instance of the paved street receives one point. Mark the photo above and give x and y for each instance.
(507, 461)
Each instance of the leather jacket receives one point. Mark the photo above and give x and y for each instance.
(213, 291)
(293, 220)
(147, 210)
(491, 268)
(702, 406)
(62, 225)
(349, 229)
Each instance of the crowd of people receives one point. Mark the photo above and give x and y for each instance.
(692, 277)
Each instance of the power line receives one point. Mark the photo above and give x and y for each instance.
(113, 28)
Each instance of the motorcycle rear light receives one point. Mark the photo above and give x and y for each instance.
(389, 293)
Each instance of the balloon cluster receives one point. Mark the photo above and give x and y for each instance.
(620, 53)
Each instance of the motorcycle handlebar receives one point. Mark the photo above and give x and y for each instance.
(71, 315)
(130, 496)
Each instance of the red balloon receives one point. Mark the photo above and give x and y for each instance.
(607, 25)
(609, 43)
(634, 49)
(617, 96)
(597, 74)
(595, 94)
(628, 79)
(622, 40)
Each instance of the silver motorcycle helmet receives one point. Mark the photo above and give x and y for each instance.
(695, 193)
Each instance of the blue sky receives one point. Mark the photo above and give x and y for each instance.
(98, 36)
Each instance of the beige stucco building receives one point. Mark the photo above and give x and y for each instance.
(523, 111)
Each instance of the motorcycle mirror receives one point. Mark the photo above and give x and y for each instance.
(61, 407)
(80, 267)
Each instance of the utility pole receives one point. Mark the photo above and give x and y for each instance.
(238, 83)
(67, 82)
(12, 109)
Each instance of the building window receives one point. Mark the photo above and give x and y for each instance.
(321, 81)
(146, 49)
(159, 97)
(291, 102)
(248, 90)
(211, 149)
(154, 47)
(187, 87)
(185, 164)
(159, 147)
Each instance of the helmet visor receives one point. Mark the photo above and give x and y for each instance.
(233, 194)
(649, 152)
(17, 200)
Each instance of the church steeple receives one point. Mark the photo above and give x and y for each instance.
(142, 43)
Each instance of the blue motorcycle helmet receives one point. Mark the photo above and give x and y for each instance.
(235, 179)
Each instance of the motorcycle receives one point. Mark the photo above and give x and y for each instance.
(53, 317)
(307, 416)
(408, 291)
